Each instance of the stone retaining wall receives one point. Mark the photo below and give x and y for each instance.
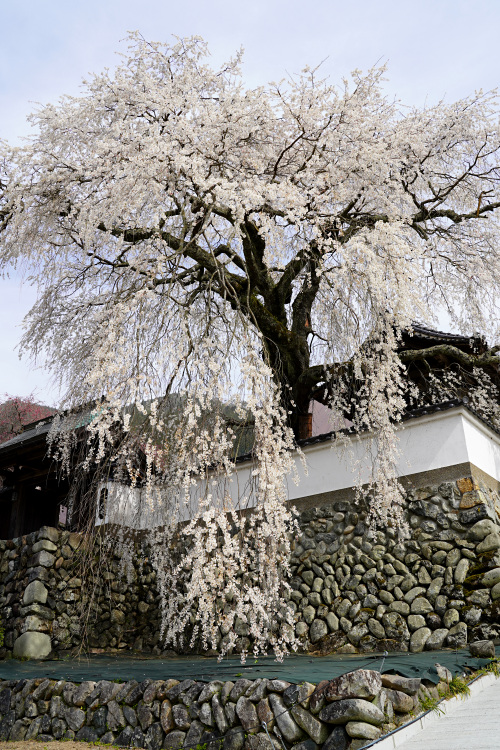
(41, 599)
(347, 712)
(440, 588)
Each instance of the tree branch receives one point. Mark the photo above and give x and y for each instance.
(488, 359)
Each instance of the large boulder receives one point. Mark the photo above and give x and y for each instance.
(166, 718)
(314, 728)
(32, 646)
(482, 649)
(481, 529)
(491, 577)
(239, 688)
(209, 690)
(286, 724)
(220, 716)
(45, 544)
(421, 606)
(5, 698)
(338, 740)
(247, 714)
(362, 730)
(402, 702)
(352, 709)
(74, 718)
(457, 636)
(298, 694)
(489, 543)
(175, 740)
(418, 639)
(435, 641)
(495, 592)
(408, 685)
(363, 683)
(395, 625)
(37, 592)
(43, 558)
(318, 630)
(115, 719)
(82, 693)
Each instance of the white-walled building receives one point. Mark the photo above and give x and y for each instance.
(437, 444)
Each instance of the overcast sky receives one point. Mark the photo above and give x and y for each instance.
(434, 49)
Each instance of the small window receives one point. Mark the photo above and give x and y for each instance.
(63, 515)
(102, 506)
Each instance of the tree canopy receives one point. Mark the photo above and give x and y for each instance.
(260, 247)
(16, 412)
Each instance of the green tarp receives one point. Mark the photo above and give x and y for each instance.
(295, 668)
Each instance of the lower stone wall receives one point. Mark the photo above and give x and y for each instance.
(346, 712)
(440, 588)
(350, 593)
(41, 601)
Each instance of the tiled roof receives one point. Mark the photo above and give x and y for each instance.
(424, 332)
(420, 333)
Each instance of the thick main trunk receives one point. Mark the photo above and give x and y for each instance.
(289, 365)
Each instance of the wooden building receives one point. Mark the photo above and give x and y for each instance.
(33, 493)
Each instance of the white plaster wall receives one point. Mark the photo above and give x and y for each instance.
(430, 442)
(434, 441)
(482, 446)
(132, 507)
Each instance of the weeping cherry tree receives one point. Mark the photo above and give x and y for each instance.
(212, 258)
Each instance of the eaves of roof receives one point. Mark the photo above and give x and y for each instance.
(33, 432)
(27, 436)
(420, 334)
(424, 332)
